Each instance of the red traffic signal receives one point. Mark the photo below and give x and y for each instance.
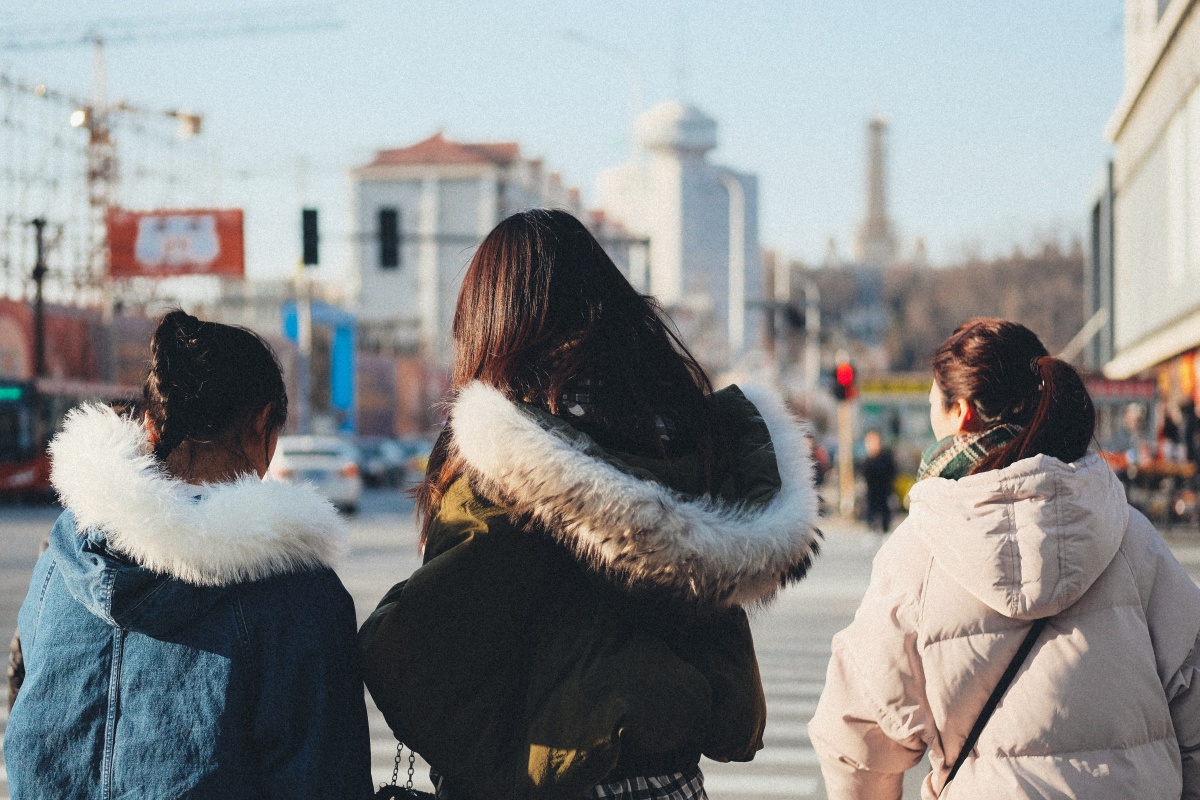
(843, 382)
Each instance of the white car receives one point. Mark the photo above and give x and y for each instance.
(328, 463)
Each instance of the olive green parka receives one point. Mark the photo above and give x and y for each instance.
(580, 612)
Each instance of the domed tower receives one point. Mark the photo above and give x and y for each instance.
(676, 129)
(685, 205)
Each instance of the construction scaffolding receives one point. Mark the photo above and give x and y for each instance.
(67, 160)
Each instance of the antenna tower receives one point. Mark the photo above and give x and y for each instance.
(875, 244)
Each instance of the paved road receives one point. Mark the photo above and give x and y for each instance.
(792, 636)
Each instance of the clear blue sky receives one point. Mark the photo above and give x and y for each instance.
(996, 109)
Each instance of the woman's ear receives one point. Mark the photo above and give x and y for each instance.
(964, 413)
(262, 420)
(148, 424)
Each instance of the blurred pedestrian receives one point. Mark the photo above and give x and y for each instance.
(1022, 585)
(594, 519)
(879, 471)
(185, 635)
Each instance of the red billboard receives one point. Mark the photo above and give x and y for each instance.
(163, 244)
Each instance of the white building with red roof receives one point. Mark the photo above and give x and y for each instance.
(445, 197)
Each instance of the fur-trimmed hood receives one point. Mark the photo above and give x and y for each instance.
(636, 529)
(243, 531)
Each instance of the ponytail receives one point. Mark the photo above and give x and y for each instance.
(1062, 423)
(1004, 371)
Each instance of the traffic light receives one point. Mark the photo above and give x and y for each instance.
(309, 238)
(389, 238)
(843, 381)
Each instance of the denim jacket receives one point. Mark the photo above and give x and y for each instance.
(182, 642)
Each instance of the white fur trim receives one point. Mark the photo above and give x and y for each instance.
(640, 531)
(242, 531)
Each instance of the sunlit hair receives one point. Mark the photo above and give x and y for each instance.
(542, 309)
(1004, 372)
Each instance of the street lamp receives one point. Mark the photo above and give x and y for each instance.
(189, 123)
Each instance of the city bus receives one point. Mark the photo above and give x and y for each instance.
(31, 412)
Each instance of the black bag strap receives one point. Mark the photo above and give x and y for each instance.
(994, 700)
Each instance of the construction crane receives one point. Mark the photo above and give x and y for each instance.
(126, 30)
(97, 114)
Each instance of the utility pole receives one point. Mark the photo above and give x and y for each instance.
(845, 420)
(782, 327)
(304, 348)
(812, 336)
(845, 391)
(310, 257)
(39, 310)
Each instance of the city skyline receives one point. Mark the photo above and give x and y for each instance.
(995, 117)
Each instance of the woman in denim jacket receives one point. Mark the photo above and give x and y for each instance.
(185, 635)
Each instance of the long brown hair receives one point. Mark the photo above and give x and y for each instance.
(1004, 371)
(543, 308)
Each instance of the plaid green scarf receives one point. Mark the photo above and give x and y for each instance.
(955, 456)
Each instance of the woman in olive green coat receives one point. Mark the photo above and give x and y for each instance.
(595, 519)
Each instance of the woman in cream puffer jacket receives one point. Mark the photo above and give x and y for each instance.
(1011, 526)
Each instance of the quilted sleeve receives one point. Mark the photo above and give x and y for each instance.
(871, 722)
(1183, 692)
(1171, 601)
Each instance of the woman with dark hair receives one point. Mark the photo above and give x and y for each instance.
(594, 520)
(1024, 625)
(185, 635)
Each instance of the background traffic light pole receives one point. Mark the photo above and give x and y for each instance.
(845, 391)
(390, 240)
(309, 257)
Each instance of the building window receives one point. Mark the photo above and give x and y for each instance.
(389, 237)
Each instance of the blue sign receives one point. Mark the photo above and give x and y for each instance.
(341, 357)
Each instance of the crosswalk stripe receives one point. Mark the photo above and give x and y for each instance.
(774, 756)
(759, 785)
(775, 688)
(789, 707)
(791, 730)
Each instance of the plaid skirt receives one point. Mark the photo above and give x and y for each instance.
(687, 785)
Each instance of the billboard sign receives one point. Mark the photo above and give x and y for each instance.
(164, 244)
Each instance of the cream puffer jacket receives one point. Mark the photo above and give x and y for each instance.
(1107, 705)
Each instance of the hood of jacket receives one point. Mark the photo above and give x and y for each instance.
(143, 549)
(1027, 540)
(624, 520)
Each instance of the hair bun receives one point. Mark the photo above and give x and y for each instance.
(182, 322)
(205, 377)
